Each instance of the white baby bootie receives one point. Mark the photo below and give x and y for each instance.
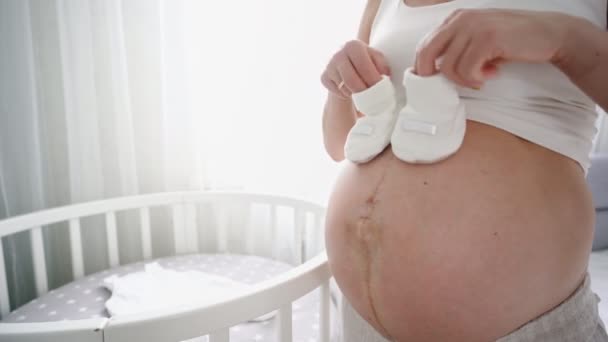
(372, 133)
(431, 126)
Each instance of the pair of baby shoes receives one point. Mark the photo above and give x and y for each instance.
(428, 129)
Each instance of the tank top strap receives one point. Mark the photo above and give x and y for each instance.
(386, 8)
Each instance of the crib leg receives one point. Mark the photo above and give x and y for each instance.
(324, 318)
(284, 331)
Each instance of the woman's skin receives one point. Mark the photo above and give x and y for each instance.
(470, 248)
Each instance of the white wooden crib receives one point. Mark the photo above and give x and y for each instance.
(306, 253)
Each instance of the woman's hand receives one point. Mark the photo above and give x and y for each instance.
(358, 65)
(470, 44)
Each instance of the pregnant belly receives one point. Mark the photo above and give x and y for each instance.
(467, 249)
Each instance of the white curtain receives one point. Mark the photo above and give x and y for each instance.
(104, 98)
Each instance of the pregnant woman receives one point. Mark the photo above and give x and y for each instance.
(493, 242)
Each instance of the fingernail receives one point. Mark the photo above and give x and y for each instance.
(476, 86)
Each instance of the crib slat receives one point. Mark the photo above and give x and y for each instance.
(284, 327)
(324, 312)
(222, 229)
(299, 229)
(309, 229)
(250, 236)
(112, 238)
(220, 336)
(38, 257)
(5, 306)
(76, 249)
(179, 229)
(319, 236)
(191, 231)
(146, 239)
(274, 245)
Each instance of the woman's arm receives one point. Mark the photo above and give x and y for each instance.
(340, 114)
(584, 59)
(473, 43)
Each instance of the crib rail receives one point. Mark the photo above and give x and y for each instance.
(277, 293)
(50, 216)
(86, 330)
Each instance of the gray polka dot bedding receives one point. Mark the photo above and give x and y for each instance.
(86, 297)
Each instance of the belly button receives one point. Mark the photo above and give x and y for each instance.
(368, 208)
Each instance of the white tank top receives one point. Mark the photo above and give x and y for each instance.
(534, 101)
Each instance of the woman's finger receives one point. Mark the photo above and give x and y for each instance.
(452, 56)
(456, 13)
(331, 81)
(352, 81)
(431, 48)
(472, 65)
(345, 91)
(337, 80)
(339, 86)
(364, 66)
(490, 68)
(380, 61)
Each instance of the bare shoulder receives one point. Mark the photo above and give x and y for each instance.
(369, 13)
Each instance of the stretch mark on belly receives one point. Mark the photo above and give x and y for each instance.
(369, 233)
(370, 239)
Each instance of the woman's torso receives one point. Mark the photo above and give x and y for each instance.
(467, 249)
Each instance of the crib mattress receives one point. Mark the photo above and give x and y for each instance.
(86, 297)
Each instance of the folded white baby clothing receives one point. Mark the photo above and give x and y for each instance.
(431, 126)
(159, 288)
(371, 134)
